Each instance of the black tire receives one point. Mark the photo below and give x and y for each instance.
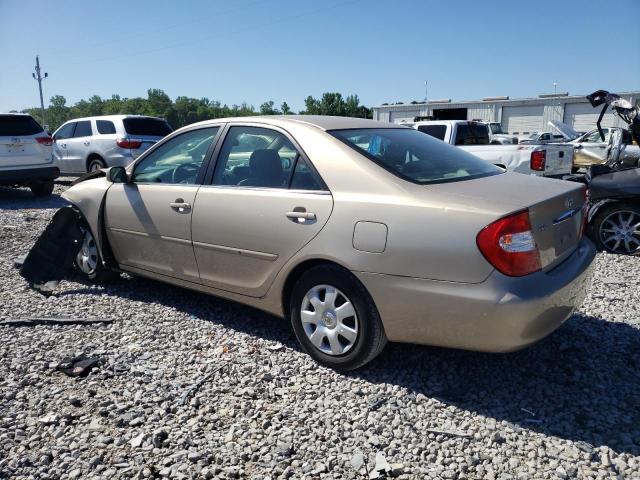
(370, 339)
(96, 164)
(600, 223)
(42, 189)
(94, 272)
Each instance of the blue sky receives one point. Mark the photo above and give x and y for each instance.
(258, 50)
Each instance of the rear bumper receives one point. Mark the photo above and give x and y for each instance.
(498, 315)
(27, 175)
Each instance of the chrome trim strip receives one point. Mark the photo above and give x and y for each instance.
(270, 257)
(181, 241)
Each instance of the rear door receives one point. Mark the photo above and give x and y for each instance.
(148, 220)
(148, 130)
(18, 144)
(264, 203)
(78, 146)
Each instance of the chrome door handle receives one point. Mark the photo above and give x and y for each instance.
(180, 205)
(301, 215)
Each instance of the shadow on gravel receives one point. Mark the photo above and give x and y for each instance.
(582, 383)
(21, 198)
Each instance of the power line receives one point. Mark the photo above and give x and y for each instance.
(127, 37)
(208, 37)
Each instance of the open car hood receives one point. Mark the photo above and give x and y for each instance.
(563, 129)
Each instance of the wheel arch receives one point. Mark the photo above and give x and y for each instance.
(93, 156)
(296, 272)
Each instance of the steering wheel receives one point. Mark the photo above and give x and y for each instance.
(184, 173)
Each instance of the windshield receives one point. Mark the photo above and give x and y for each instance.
(415, 156)
(153, 127)
(18, 125)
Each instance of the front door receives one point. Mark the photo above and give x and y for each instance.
(264, 204)
(148, 220)
(78, 147)
(60, 139)
(592, 149)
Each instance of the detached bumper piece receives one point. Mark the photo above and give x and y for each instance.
(52, 255)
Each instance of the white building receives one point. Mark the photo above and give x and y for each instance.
(517, 116)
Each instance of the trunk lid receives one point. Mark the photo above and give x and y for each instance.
(555, 208)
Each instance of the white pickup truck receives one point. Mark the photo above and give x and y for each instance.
(542, 160)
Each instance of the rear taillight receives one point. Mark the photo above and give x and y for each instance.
(128, 143)
(538, 160)
(47, 141)
(509, 246)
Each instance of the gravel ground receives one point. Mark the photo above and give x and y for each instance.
(568, 407)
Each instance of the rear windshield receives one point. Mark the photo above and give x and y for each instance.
(146, 126)
(18, 125)
(436, 131)
(472, 134)
(415, 156)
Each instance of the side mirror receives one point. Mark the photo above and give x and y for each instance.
(117, 175)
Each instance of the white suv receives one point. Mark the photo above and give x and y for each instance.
(88, 144)
(25, 154)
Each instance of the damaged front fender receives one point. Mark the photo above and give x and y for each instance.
(88, 197)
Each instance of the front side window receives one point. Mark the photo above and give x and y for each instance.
(83, 129)
(255, 157)
(595, 137)
(414, 156)
(105, 127)
(178, 160)
(66, 131)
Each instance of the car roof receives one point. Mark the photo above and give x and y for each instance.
(111, 117)
(322, 122)
(17, 114)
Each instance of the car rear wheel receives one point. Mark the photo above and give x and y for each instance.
(335, 319)
(616, 229)
(96, 164)
(42, 189)
(88, 260)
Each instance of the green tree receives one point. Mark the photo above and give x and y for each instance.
(286, 110)
(267, 108)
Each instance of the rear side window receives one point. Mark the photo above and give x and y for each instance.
(416, 157)
(436, 131)
(83, 129)
(153, 127)
(105, 127)
(18, 125)
(472, 134)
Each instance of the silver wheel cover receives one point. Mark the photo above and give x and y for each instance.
(87, 257)
(329, 320)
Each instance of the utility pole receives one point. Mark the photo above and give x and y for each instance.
(39, 78)
(426, 95)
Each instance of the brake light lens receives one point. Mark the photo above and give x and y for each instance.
(46, 141)
(128, 143)
(509, 246)
(538, 160)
